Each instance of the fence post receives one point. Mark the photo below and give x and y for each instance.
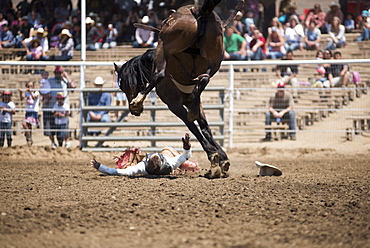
(231, 104)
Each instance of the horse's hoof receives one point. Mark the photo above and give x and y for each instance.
(215, 171)
(225, 165)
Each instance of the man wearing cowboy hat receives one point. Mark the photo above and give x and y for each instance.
(40, 34)
(144, 38)
(65, 46)
(92, 35)
(334, 11)
(98, 99)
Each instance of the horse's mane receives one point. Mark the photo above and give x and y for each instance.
(137, 72)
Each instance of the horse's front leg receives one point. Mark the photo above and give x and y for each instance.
(194, 111)
(137, 103)
(220, 163)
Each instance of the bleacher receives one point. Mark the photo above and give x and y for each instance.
(250, 105)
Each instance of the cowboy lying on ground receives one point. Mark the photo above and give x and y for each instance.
(153, 164)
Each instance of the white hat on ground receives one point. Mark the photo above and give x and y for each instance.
(268, 170)
(99, 80)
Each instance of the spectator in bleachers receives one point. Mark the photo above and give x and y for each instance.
(336, 32)
(349, 23)
(110, 37)
(32, 110)
(3, 21)
(24, 7)
(61, 81)
(238, 24)
(92, 35)
(36, 50)
(281, 110)
(41, 35)
(257, 46)
(338, 74)
(293, 34)
(288, 73)
(249, 20)
(275, 44)
(317, 15)
(101, 30)
(334, 11)
(144, 38)
(34, 19)
(98, 99)
(6, 37)
(364, 26)
(235, 45)
(65, 46)
(311, 40)
(22, 31)
(289, 11)
(7, 110)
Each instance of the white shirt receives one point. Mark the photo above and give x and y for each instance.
(7, 117)
(139, 169)
(31, 104)
(63, 109)
(294, 34)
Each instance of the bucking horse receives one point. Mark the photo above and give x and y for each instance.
(189, 52)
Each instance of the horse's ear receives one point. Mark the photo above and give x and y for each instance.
(116, 68)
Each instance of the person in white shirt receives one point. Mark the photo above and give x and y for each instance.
(152, 164)
(110, 37)
(337, 38)
(61, 112)
(32, 110)
(6, 111)
(41, 35)
(293, 34)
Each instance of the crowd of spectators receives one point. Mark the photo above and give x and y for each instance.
(57, 23)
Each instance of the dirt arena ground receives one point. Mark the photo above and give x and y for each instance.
(54, 199)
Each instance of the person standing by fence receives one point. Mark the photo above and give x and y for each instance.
(32, 108)
(61, 82)
(61, 113)
(6, 111)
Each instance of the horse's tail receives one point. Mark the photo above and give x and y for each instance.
(208, 6)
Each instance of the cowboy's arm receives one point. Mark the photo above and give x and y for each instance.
(138, 169)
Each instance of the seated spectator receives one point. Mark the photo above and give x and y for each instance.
(311, 40)
(41, 35)
(281, 109)
(364, 26)
(22, 31)
(257, 46)
(92, 35)
(293, 34)
(3, 21)
(98, 99)
(317, 15)
(144, 38)
(248, 21)
(320, 78)
(349, 23)
(338, 74)
(288, 73)
(110, 37)
(289, 11)
(65, 46)
(36, 51)
(337, 38)
(334, 11)
(6, 37)
(275, 44)
(235, 45)
(238, 24)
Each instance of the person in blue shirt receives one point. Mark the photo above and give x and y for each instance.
(6, 37)
(98, 99)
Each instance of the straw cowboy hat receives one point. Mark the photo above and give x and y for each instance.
(333, 4)
(145, 19)
(35, 40)
(60, 95)
(268, 170)
(66, 32)
(40, 31)
(99, 81)
(89, 20)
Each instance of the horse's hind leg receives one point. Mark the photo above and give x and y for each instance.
(194, 110)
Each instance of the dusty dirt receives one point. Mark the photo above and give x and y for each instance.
(54, 199)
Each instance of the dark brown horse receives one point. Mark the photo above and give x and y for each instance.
(189, 52)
